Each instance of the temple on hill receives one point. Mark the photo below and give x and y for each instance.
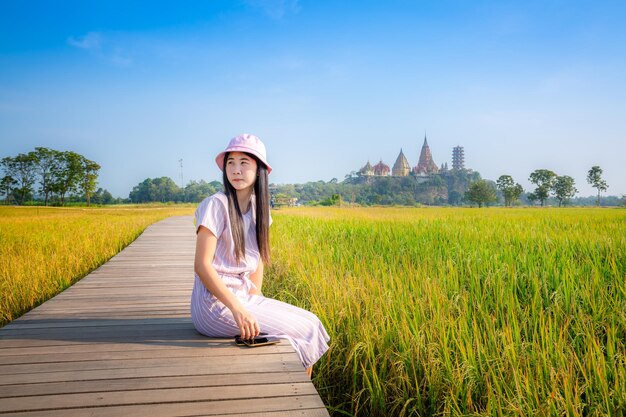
(381, 169)
(401, 168)
(425, 166)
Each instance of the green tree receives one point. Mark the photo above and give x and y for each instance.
(102, 196)
(455, 197)
(107, 197)
(7, 185)
(89, 178)
(166, 189)
(544, 180)
(22, 169)
(280, 200)
(352, 177)
(481, 192)
(594, 177)
(161, 189)
(141, 192)
(510, 190)
(196, 191)
(67, 174)
(333, 200)
(457, 183)
(564, 189)
(46, 161)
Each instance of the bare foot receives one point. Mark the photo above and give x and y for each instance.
(309, 372)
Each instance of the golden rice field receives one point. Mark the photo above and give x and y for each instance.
(44, 250)
(436, 311)
(442, 311)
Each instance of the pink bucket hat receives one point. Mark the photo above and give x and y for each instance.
(245, 143)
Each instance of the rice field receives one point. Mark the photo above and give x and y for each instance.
(441, 311)
(436, 311)
(44, 250)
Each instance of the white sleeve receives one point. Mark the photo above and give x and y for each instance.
(211, 214)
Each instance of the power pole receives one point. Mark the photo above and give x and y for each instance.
(182, 186)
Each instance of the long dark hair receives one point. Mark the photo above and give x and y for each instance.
(262, 211)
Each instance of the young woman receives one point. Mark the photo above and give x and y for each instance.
(232, 245)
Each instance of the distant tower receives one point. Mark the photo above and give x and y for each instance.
(401, 168)
(381, 169)
(426, 165)
(458, 158)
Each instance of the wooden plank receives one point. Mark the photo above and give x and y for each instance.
(165, 352)
(120, 342)
(173, 338)
(136, 384)
(155, 396)
(140, 313)
(200, 344)
(52, 323)
(121, 332)
(121, 372)
(56, 310)
(233, 360)
(312, 412)
(196, 408)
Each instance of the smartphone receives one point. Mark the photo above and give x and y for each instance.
(260, 340)
(240, 342)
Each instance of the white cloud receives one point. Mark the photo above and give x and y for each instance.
(91, 41)
(103, 48)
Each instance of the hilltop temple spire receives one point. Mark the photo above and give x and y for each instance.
(426, 165)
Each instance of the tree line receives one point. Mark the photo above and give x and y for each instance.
(454, 187)
(362, 191)
(53, 175)
(548, 183)
(164, 189)
(57, 177)
(446, 188)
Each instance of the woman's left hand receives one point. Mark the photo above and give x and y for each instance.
(247, 323)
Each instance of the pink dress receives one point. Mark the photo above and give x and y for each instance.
(212, 318)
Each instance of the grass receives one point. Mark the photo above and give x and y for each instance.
(44, 250)
(461, 311)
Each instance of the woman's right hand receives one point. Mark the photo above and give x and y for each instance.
(248, 325)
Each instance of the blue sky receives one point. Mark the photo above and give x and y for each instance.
(327, 85)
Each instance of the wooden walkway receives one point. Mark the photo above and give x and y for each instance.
(120, 343)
